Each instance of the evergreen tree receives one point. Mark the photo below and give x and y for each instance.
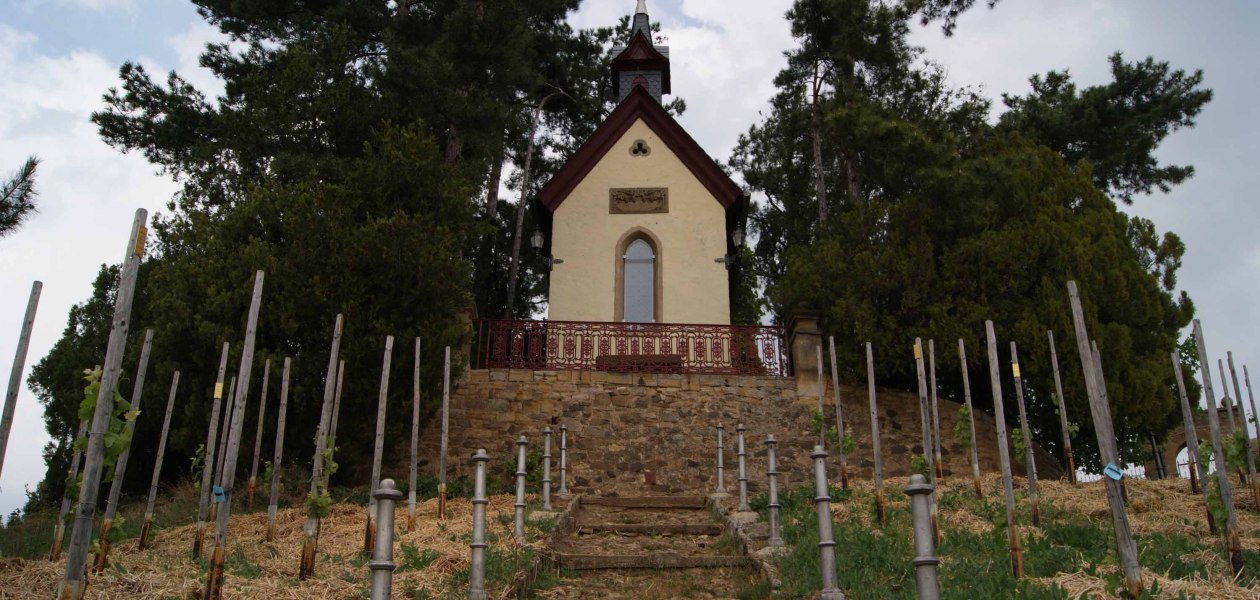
(17, 197)
(944, 221)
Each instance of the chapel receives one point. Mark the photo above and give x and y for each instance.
(641, 225)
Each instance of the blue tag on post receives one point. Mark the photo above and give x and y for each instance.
(218, 494)
(1112, 471)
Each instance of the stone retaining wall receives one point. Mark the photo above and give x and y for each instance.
(640, 433)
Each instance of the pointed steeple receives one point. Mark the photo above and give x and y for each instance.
(639, 62)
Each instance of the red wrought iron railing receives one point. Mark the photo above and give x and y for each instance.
(630, 347)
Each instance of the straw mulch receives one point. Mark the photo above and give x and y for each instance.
(166, 570)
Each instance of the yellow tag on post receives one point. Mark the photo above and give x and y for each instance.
(140, 237)
(218, 390)
(918, 351)
(1015, 369)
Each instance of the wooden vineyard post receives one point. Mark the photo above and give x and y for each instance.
(224, 429)
(1233, 542)
(971, 418)
(446, 420)
(208, 456)
(1004, 456)
(1100, 383)
(1229, 402)
(157, 466)
(1063, 418)
(19, 364)
(378, 447)
(214, 578)
(59, 531)
(1095, 386)
(925, 419)
(279, 451)
(415, 442)
(936, 412)
(336, 414)
(315, 497)
(120, 465)
(835, 388)
(1030, 457)
(74, 584)
(822, 391)
(880, 501)
(1242, 413)
(1255, 418)
(1198, 472)
(262, 418)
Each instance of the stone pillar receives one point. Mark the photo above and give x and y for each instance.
(772, 474)
(743, 473)
(546, 478)
(477, 566)
(804, 336)
(382, 564)
(826, 544)
(925, 560)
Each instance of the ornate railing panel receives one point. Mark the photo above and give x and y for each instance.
(630, 347)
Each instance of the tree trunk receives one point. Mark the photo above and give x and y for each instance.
(514, 269)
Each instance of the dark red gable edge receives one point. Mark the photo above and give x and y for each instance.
(639, 104)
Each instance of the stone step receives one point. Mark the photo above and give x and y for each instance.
(587, 562)
(691, 502)
(653, 529)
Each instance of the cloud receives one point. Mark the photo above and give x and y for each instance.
(88, 195)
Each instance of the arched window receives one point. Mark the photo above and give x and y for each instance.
(639, 283)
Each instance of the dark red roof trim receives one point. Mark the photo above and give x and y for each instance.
(639, 105)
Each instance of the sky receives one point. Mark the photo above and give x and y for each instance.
(57, 57)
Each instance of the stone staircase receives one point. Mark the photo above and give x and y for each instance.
(647, 548)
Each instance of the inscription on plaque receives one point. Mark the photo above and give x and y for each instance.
(631, 201)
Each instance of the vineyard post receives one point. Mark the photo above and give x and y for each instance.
(835, 388)
(1004, 457)
(74, 584)
(157, 467)
(262, 417)
(1198, 471)
(1242, 413)
(925, 420)
(971, 418)
(1229, 402)
(120, 464)
(378, 448)
(1218, 450)
(311, 527)
(936, 412)
(208, 456)
(880, 501)
(1095, 386)
(1030, 460)
(59, 531)
(1063, 417)
(446, 423)
(336, 415)
(415, 441)
(19, 364)
(272, 505)
(214, 576)
(822, 391)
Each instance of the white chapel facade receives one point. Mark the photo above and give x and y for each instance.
(641, 221)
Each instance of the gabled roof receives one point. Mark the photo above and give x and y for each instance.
(640, 105)
(641, 55)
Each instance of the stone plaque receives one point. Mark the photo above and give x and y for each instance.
(630, 201)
